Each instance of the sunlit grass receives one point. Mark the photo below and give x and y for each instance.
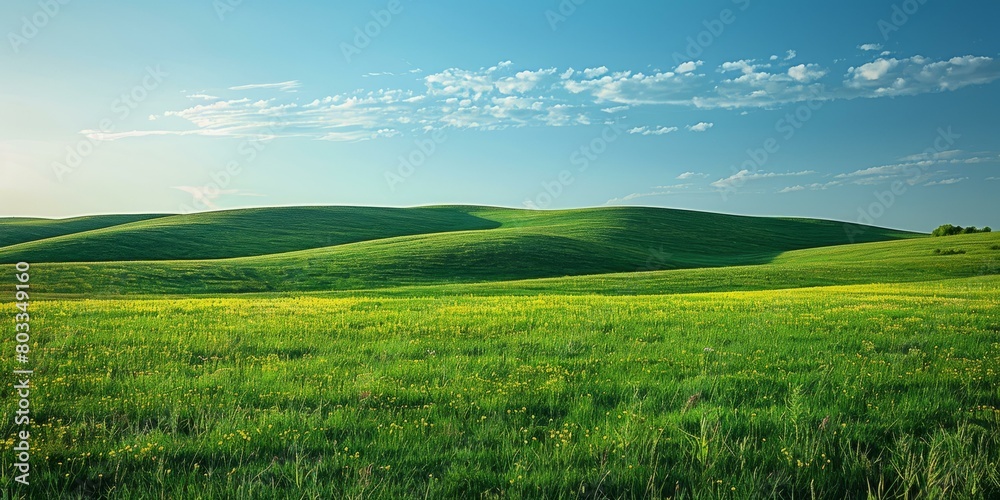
(888, 389)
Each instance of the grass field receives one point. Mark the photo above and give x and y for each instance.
(768, 371)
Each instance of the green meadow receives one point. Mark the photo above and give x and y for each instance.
(476, 352)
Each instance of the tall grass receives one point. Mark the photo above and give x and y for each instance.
(880, 390)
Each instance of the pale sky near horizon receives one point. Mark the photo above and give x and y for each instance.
(881, 112)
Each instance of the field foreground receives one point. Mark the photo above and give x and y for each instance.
(829, 392)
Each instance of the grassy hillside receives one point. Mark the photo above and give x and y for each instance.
(375, 267)
(693, 239)
(503, 245)
(20, 230)
(906, 261)
(239, 233)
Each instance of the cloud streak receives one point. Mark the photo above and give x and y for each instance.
(289, 86)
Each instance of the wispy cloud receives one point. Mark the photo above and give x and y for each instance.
(743, 176)
(917, 168)
(691, 175)
(653, 130)
(946, 182)
(658, 191)
(289, 86)
(926, 169)
(815, 186)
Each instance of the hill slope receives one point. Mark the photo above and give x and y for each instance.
(907, 261)
(525, 245)
(241, 233)
(20, 230)
(670, 238)
(910, 260)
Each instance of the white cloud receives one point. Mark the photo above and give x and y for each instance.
(805, 73)
(459, 82)
(627, 88)
(289, 86)
(478, 98)
(688, 67)
(873, 171)
(993, 178)
(945, 182)
(921, 168)
(700, 127)
(934, 155)
(744, 65)
(359, 135)
(616, 109)
(756, 87)
(523, 81)
(674, 186)
(652, 131)
(816, 186)
(790, 55)
(744, 176)
(595, 72)
(919, 75)
(690, 175)
(870, 47)
(874, 70)
(97, 135)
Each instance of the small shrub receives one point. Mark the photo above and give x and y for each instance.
(995, 247)
(950, 251)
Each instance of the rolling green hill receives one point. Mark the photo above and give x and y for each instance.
(241, 233)
(597, 240)
(522, 245)
(908, 261)
(21, 230)
(386, 268)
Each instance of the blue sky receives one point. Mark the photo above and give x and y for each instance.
(880, 112)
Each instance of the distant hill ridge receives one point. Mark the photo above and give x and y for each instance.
(692, 239)
(364, 248)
